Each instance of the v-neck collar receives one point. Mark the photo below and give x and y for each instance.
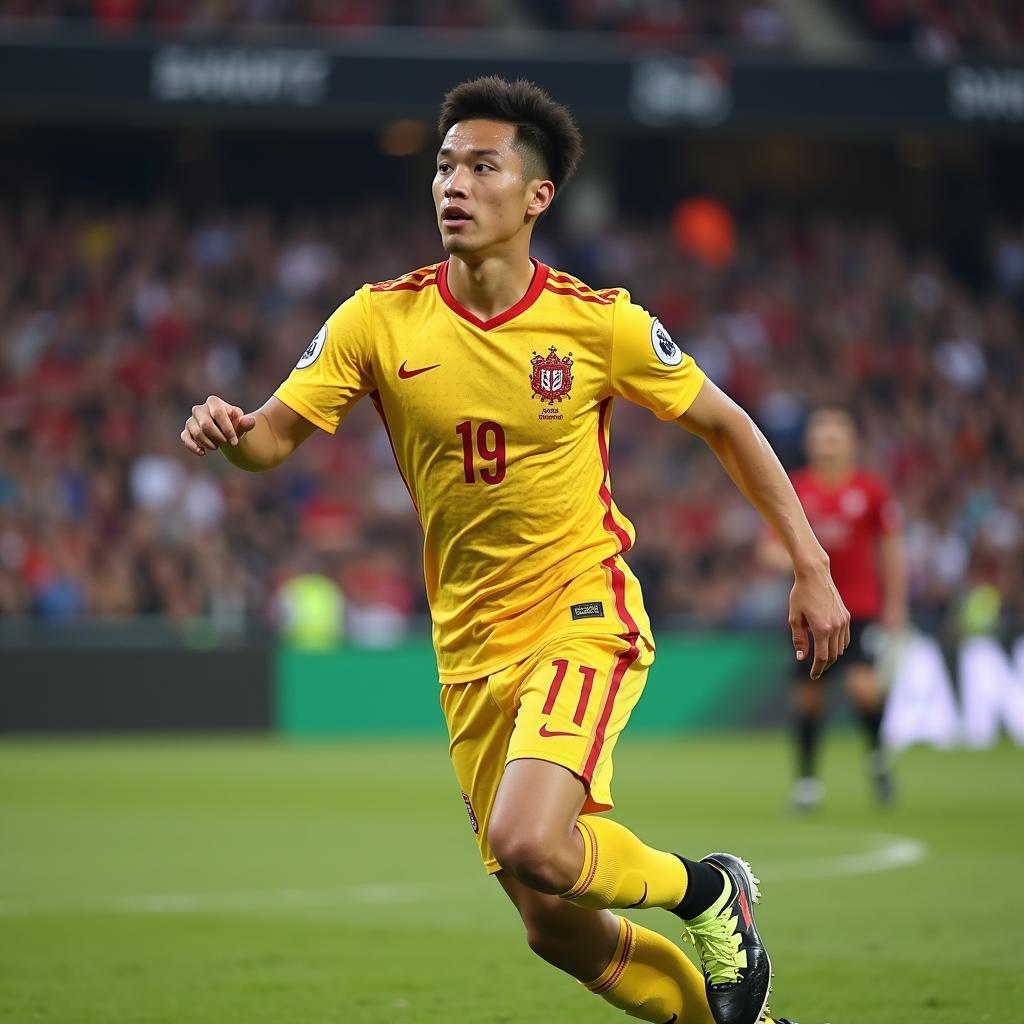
(540, 276)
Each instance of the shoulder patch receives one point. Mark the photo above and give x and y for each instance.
(664, 347)
(316, 346)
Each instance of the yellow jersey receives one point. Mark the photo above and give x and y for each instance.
(500, 430)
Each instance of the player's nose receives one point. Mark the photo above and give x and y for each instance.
(456, 184)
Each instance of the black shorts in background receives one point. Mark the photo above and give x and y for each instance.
(858, 653)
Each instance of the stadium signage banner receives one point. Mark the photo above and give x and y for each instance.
(987, 94)
(231, 75)
(65, 75)
(667, 89)
(924, 705)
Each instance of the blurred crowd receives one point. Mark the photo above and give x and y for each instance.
(760, 23)
(114, 322)
(944, 29)
(934, 29)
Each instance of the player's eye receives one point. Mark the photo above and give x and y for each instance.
(443, 168)
(484, 167)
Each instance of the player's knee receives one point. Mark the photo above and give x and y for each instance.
(531, 858)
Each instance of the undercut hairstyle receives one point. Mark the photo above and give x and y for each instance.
(546, 133)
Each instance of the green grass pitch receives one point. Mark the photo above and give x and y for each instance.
(214, 881)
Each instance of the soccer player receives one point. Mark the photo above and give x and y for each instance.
(859, 524)
(495, 377)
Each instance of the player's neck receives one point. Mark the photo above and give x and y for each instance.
(494, 284)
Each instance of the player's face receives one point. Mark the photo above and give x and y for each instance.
(831, 438)
(480, 195)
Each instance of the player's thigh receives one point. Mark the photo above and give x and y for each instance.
(478, 730)
(860, 678)
(863, 686)
(810, 696)
(573, 703)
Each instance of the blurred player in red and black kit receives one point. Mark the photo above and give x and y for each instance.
(858, 523)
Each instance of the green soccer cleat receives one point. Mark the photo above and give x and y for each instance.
(737, 971)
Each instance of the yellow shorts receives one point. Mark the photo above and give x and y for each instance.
(566, 703)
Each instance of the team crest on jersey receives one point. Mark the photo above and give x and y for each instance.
(551, 378)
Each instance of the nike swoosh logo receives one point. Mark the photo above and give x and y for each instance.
(406, 374)
(639, 902)
(546, 732)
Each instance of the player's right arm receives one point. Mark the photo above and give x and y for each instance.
(332, 374)
(892, 559)
(252, 441)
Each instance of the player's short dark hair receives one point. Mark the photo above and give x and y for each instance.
(545, 130)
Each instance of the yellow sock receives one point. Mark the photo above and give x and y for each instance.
(651, 978)
(620, 871)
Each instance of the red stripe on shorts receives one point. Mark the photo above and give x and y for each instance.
(623, 661)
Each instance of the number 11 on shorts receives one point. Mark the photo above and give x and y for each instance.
(561, 666)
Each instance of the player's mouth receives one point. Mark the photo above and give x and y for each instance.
(454, 217)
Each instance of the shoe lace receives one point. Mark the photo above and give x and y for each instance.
(718, 945)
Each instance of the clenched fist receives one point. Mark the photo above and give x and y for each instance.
(215, 423)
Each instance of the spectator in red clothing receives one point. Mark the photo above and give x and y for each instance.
(858, 523)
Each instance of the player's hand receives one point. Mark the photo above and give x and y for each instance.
(815, 606)
(215, 423)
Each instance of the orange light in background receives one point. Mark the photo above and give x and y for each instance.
(405, 137)
(704, 227)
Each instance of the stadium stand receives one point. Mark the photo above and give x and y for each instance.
(755, 23)
(114, 320)
(943, 29)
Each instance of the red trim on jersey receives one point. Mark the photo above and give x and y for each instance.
(619, 592)
(558, 278)
(605, 293)
(605, 494)
(540, 276)
(412, 277)
(618, 577)
(622, 663)
(409, 286)
(379, 406)
(578, 295)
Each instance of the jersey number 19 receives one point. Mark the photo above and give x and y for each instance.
(490, 447)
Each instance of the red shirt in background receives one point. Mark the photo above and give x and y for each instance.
(849, 518)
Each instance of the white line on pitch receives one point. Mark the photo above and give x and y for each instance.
(324, 897)
(889, 852)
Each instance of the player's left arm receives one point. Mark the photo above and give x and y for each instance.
(892, 562)
(748, 458)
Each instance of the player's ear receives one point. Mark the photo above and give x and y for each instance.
(541, 194)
